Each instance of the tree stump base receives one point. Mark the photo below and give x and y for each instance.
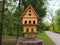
(30, 41)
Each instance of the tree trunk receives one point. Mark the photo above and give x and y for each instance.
(53, 24)
(0, 33)
(1, 24)
(18, 21)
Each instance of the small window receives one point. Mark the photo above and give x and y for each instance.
(29, 14)
(32, 30)
(27, 30)
(25, 22)
(29, 22)
(29, 11)
(33, 22)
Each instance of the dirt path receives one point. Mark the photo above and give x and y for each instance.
(54, 36)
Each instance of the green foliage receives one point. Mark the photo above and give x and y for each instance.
(43, 27)
(57, 21)
(11, 16)
(57, 31)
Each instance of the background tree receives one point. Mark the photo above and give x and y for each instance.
(57, 21)
(1, 24)
(18, 21)
(52, 18)
(8, 26)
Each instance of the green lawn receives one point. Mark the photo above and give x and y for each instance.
(47, 40)
(11, 40)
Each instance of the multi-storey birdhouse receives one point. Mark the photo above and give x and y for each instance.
(29, 21)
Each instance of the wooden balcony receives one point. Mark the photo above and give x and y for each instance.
(30, 32)
(29, 24)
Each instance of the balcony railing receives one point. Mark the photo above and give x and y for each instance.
(30, 32)
(29, 24)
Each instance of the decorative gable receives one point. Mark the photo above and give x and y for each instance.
(29, 12)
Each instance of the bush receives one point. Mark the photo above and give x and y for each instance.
(57, 31)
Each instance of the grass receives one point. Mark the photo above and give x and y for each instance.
(47, 40)
(11, 40)
(56, 31)
(8, 40)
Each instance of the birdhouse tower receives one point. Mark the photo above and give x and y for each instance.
(29, 21)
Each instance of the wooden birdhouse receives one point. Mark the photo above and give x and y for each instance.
(29, 21)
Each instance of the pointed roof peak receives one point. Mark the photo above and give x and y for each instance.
(29, 7)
